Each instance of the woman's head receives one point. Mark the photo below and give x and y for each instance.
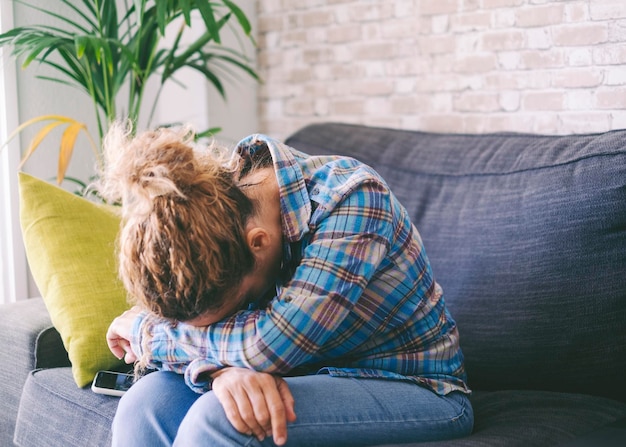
(182, 247)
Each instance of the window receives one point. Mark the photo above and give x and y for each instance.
(13, 269)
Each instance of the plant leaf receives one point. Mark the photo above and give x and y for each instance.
(68, 140)
(185, 7)
(208, 133)
(86, 17)
(32, 121)
(206, 11)
(161, 15)
(212, 77)
(64, 18)
(37, 139)
(81, 43)
(241, 17)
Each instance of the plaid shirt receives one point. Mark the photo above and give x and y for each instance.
(360, 299)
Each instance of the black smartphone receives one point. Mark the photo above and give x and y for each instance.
(112, 383)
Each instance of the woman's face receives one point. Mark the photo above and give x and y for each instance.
(265, 238)
(252, 287)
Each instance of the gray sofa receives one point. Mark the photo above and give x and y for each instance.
(526, 234)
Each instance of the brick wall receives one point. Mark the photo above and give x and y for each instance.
(543, 66)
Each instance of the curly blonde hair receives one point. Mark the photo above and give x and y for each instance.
(182, 246)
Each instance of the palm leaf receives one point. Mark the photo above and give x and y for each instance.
(56, 31)
(43, 44)
(238, 60)
(208, 133)
(241, 17)
(185, 7)
(161, 14)
(37, 139)
(191, 51)
(212, 77)
(88, 4)
(32, 121)
(59, 81)
(68, 140)
(109, 14)
(61, 17)
(206, 11)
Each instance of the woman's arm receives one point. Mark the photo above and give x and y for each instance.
(344, 253)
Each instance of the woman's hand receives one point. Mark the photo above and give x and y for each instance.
(118, 335)
(256, 403)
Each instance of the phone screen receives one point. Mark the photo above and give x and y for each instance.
(109, 380)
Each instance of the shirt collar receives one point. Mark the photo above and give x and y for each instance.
(295, 203)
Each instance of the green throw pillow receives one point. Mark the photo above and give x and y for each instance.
(70, 245)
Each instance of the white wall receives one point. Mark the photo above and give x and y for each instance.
(544, 66)
(13, 268)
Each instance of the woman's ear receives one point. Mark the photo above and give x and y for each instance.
(258, 239)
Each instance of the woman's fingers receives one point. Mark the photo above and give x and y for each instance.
(287, 399)
(238, 415)
(255, 403)
(280, 405)
(119, 333)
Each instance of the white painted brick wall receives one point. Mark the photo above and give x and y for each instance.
(545, 66)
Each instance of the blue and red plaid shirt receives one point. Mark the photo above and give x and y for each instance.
(360, 300)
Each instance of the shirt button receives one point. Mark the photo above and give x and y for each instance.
(288, 299)
(315, 192)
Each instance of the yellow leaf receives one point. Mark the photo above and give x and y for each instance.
(38, 139)
(68, 141)
(37, 119)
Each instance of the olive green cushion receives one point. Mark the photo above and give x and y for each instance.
(70, 245)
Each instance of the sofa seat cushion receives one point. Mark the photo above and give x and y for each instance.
(502, 418)
(54, 409)
(536, 418)
(29, 341)
(521, 418)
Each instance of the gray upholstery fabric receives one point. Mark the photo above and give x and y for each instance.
(503, 418)
(534, 418)
(609, 435)
(527, 236)
(54, 412)
(28, 341)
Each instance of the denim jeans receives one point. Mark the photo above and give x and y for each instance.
(160, 410)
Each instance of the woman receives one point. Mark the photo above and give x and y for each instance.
(284, 299)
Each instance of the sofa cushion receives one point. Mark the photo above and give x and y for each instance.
(527, 236)
(503, 418)
(28, 341)
(537, 418)
(70, 244)
(55, 409)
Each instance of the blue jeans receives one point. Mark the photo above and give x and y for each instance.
(160, 410)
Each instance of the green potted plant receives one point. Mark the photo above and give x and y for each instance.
(109, 49)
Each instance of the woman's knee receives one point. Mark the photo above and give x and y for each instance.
(206, 423)
(149, 393)
(150, 412)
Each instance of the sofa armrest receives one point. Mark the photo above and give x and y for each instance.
(27, 341)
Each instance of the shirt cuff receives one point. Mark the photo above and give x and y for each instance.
(136, 334)
(198, 375)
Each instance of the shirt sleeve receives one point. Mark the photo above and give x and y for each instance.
(344, 252)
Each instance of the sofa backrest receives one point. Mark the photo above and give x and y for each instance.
(527, 236)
